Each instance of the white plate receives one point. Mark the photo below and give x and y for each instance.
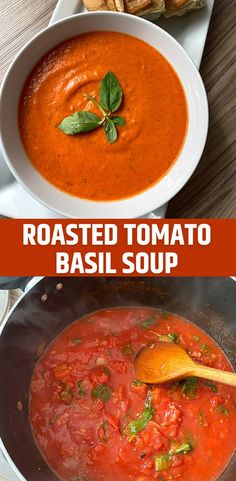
(4, 303)
(190, 32)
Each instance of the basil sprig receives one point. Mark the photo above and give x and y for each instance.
(142, 420)
(110, 101)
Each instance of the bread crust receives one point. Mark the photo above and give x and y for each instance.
(182, 7)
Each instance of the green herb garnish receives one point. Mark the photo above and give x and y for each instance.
(162, 462)
(127, 349)
(102, 392)
(141, 421)
(197, 338)
(189, 387)
(81, 390)
(136, 382)
(212, 386)
(173, 337)
(181, 449)
(222, 409)
(205, 348)
(110, 100)
(67, 396)
(148, 322)
(174, 385)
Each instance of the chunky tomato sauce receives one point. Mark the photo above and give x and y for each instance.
(92, 420)
(154, 107)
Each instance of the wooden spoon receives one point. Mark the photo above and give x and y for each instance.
(161, 362)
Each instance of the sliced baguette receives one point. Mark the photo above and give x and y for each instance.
(153, 11)
(182, 7)
(93, 5)
(119, 5)
(111, 5)
(134, 6)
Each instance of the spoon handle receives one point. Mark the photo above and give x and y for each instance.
(217, 375)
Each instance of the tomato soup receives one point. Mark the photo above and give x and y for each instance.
(92, 420)
(154, 107)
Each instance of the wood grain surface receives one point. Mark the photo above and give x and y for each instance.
(211, 192)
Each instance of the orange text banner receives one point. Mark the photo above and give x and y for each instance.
(75, 247)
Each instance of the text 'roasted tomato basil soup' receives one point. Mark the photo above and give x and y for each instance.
(135, 152)
(93, 421)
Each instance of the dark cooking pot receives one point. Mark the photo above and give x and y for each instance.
(53, 303)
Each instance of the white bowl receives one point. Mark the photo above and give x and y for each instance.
(174, 179)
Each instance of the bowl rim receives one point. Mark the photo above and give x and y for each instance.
(97, 209)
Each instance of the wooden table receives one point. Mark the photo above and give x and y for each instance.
(211, 192)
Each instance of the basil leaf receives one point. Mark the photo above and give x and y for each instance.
(81, 390)
(222, 409)
(141, 421)
(148, 322)
(138, 383)
(181, 449)
(162, 462)
(110, 130)
(211, 385)
(205, 348)
(118, 120)
(127, 349)
(102, 392)
(80, 122)
(189, 387)
(173, 337)
(110, 92)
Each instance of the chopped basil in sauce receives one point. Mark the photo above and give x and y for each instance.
(173, 337)
(141, 421)
(212, 386)
(189, 387)
(205, 348)
(127, 349)
(102, 392)
(148, 322)
(136, 382)
(222, 409)
(81, 390)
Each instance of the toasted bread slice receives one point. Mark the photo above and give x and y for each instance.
(154, 10)
(182, 7)
(134, 6)
(119, 5)
(112, 5)
(93, 5)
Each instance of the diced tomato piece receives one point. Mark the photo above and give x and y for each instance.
(177, 460)
(152, 436)
(216, 401)
(69, 449)
(99, 375)
(140, 390)
(113, 421)
(168, 416)
(146, 465)
(118, 366)
(121, 392)
(126, 453)
(61, 371)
